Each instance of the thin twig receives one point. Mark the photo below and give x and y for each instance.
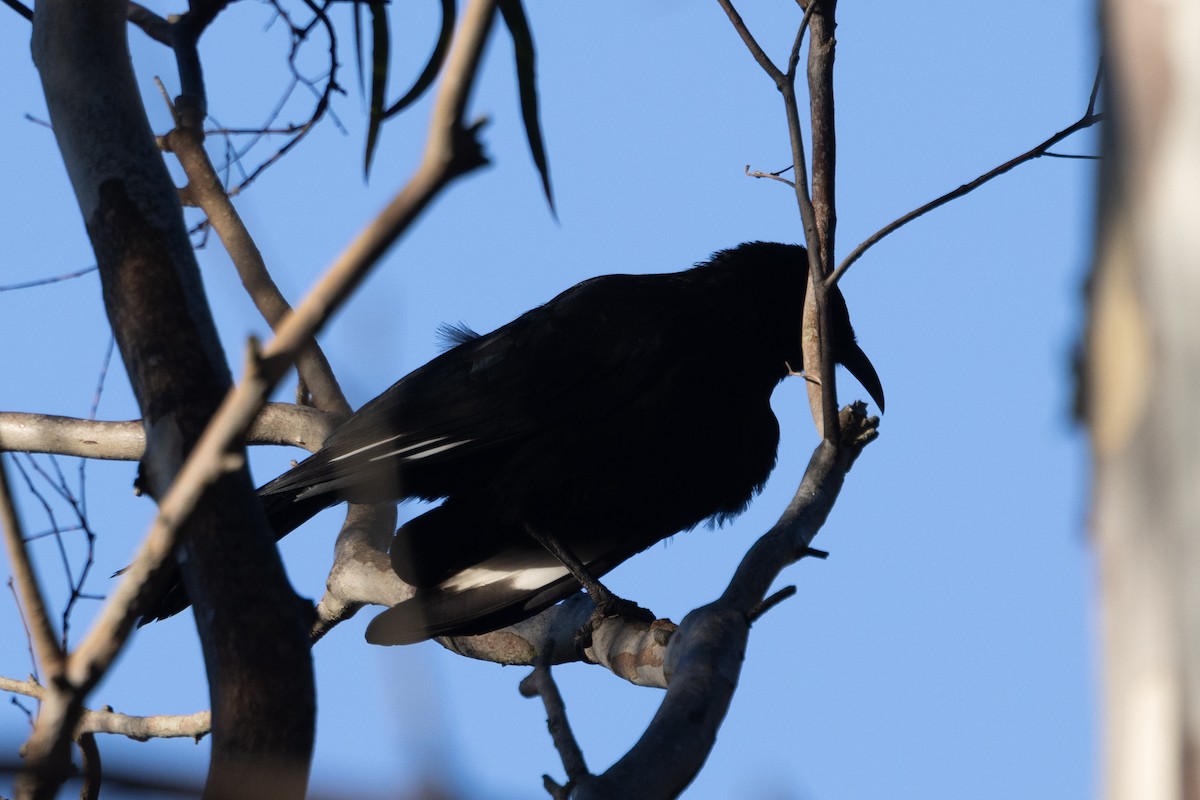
(752, 45)
(12, 287)
(541, 683)
(33, 665)
(45, 641)
(775, 176)
(794, 56)
(1095, 95)
(1086, 121)
(19, 7)
(150, 23)
(766, 605)
(105, 720)
(205, 190)
(823, 403)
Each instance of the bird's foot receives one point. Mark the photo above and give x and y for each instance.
(607, 606)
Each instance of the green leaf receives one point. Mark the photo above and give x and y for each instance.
(518, 27)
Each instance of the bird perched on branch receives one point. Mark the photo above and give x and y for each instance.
(627, 409)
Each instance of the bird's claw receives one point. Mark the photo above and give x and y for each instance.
(606, 608)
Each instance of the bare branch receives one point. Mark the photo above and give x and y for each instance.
(752, 45)
(160, 726)
(362, 570)
(204, 189)
(630, 649)
(794, 57)
(451, 152)
(277, 423)
(12, 287)
(91, 768)
(1089, 119)
(816, 338)
(19, 7)
(541, 683)
(818, 229)
(45, 641)
(150, 23)
(775, 176)
(704, 656)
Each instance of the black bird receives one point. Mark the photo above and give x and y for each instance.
(626, 409)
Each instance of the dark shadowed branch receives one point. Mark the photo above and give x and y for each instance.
(704, 656)
(187, 458)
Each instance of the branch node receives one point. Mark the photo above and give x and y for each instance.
(767, 604)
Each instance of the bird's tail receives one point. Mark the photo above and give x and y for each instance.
(284, 513)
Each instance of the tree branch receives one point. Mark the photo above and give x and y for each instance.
(204, 189)
(814, 334)
(45, 641)
(817, 334)
(540, 683)
(1089, 119)
(277, 423)
(259, 665)
(161, 726)
(48, 750)
(704, 657)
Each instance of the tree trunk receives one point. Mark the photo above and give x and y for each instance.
(1141, 388)
(252, 627)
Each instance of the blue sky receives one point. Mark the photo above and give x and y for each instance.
(946, 647)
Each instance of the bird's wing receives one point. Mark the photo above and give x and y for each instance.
(557, 362)
(516, 580)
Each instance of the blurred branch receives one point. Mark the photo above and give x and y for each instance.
(45, 641)
(451, 150)
(91, 768)
(47, 751)
(160, 726)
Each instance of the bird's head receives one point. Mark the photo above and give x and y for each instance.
(779, 274)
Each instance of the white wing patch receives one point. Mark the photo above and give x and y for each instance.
(518, 579)
(366, 447)
(424, 447)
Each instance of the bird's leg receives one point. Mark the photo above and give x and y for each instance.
(576, 567)
(607, 604)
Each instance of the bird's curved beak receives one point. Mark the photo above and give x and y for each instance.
(856, 361)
